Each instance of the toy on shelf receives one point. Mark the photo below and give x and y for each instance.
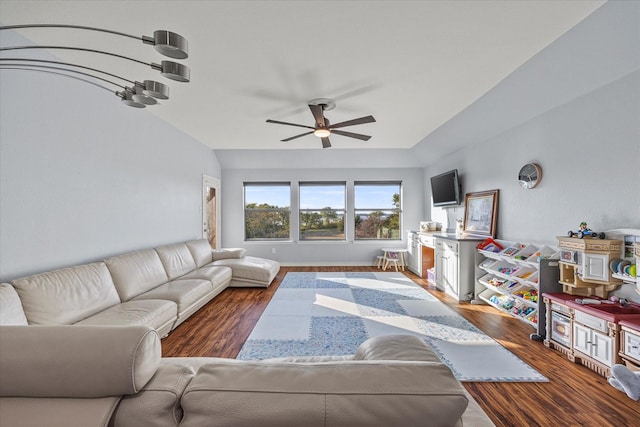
(490, 245)
(584, 231)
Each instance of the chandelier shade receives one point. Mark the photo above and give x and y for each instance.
(169, 44)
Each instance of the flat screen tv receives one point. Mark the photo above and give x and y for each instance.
(445, 189)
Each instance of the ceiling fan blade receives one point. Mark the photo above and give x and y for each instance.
(297, 136)
(316, 110)
(351, 134)
(290, 124)
(325, 143)
(361, 120)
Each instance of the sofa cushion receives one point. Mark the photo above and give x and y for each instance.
(63, 297)
(176, 259)
(324, 394)
(251, 270)
(158, 404)
(217, 275)
(184, 293)
(11, 312)
(200, 251)
(395, 347)
(57, 411)
(227, 253)
(79, 361)
(136, 272)
(157, 314)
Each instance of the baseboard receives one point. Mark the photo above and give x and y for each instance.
(326, 264)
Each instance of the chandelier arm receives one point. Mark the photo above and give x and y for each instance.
(80, 27)
(141, 93)
(169, 69)
(84, 49)
(126, 96)
(35, 67)
(59, 74)
(70, 65)
(165, 42)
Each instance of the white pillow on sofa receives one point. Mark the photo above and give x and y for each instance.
(227, 253)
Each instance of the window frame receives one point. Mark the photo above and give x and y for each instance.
(338, 211)
(283, 210)
(397, 210)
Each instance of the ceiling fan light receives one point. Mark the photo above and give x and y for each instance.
(322, 133)
(170, 44)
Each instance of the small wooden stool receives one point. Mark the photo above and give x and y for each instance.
(380, 261)
(391, 257)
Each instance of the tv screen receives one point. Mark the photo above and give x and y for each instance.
(445, 189)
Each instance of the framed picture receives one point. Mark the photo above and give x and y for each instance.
(481, 213)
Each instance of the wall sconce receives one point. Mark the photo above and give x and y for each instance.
(139, 94)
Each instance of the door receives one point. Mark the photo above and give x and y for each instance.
(414, 256)
(439, 252)
(602, 349)
(582, 339)
(450, 268)
(211, 210)
(596, 266)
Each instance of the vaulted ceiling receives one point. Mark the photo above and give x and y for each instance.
(413, 65)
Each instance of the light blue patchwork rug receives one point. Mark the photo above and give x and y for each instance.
(318, 314)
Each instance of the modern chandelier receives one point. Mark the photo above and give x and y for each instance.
(139, 94)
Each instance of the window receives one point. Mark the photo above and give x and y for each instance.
(267, 211)
(322, 210)
(377, 210)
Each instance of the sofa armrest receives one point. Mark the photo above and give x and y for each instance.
(76, 361)
(11, 311)
(227, 253)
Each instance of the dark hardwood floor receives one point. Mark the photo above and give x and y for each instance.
(574, 395)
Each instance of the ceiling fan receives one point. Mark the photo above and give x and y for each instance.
(323, 127)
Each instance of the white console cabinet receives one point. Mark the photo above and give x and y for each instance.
(455, 265)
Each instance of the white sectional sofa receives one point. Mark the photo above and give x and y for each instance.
(106, 370)
(159, 287)
(114, 376)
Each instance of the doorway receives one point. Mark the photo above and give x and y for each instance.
(211, 210)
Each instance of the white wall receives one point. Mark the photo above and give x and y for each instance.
(317, 253)
(83, 177)
(574, 108)
(589, 151)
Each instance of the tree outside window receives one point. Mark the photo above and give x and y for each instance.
(322, 211)
(377, 210)
(267, 211)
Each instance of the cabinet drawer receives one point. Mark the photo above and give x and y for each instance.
(631, 345)
(591, 321)
(452, 246)
(560, 308)
(428, 241)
